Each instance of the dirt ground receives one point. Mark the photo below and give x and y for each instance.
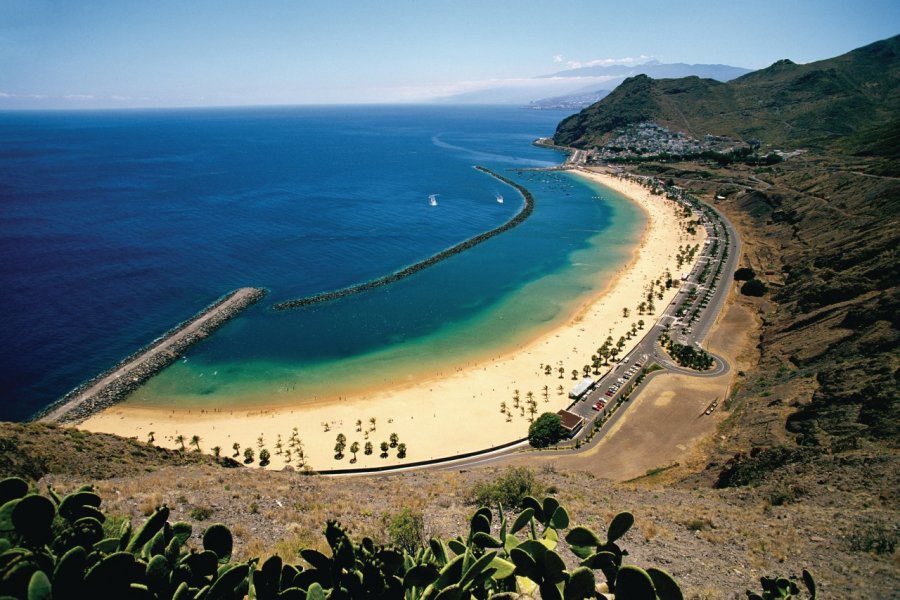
(667, 423)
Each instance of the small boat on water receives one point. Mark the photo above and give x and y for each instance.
(432, 199)
(500, 198)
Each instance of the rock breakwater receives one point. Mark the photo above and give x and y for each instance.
(517, 219)
(114, 384)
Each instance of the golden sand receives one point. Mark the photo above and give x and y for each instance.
(450, 414)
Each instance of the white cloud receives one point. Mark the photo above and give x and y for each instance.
(78, 97)
(606, 62)
(557, 58)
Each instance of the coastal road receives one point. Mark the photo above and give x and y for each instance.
(712, 285)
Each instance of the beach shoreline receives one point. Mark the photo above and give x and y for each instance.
(417, 411)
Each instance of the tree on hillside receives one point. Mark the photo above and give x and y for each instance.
(179, 439)
(237, 449)
(354, 448)
(195, 442)
(264, 457)
(248, 455)
(744, 274)
(754, 287)
(217, 451)
(546, 430)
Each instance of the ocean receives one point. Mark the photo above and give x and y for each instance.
(116, 225)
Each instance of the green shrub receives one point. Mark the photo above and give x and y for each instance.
(406, 528)
(200, 513)
(744, 274)
(754, 287)
(508, 489)
(546, 430)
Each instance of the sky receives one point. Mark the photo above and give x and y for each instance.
(172, 53)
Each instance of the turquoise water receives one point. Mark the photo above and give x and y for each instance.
(117, 225)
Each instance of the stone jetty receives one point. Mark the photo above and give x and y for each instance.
(518, 218)
(116, 383)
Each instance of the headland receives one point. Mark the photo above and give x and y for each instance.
(478, 406)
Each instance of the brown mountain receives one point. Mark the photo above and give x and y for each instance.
(822, 230)
(850, 103)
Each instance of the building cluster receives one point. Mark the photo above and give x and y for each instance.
(647, 140)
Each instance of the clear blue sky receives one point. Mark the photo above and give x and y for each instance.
(99, 53)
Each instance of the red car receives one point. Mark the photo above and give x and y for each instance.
(599, 405)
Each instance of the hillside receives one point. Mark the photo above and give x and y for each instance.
(821, 409)
(716, 543)
(849, 103)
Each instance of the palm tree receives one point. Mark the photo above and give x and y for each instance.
(195, 442)
(248, 455)
(574, 374)
(503, 406)
(368, 449)
(217, 451)
(264, 457)
(237, 449)
(546, 393)
(561, 372)
(559, 390)
(287, 456)
(547, 370)
(530, 395)
(384, 449)
(401, 451)
(532, 410)
(640, 323)
(150, 438)
(359, 424)
(394, 439)
(625, 312)
(179, 439)
(586, 369)
(354, 448)
(372, 421)
(259, 442)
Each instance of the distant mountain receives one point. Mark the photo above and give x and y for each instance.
(851, 100)
(554, 90)
(575, 101)
(657, 70)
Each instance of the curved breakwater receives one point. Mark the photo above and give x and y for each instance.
(114, 384)
(518, 218)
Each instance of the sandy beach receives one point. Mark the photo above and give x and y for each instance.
(451, 414)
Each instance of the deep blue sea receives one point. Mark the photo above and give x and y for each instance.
(116, 225)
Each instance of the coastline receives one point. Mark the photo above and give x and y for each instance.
(114, 384)
(424, 414)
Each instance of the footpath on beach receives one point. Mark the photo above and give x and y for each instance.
(115, 384)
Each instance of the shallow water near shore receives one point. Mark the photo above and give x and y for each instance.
(118, 225)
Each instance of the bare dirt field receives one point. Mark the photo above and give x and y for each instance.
(666, 423)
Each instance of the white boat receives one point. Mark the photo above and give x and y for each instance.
(432, 199)
(500, 198)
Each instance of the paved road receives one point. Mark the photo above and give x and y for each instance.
(648, 351)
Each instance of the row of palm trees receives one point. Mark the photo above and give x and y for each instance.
(341, 444)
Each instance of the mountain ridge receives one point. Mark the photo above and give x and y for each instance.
(828, 104)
